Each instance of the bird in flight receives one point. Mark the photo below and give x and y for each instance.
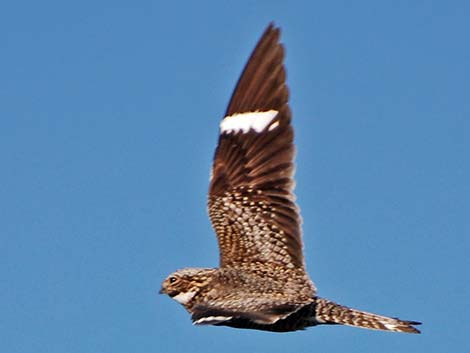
(262, 282)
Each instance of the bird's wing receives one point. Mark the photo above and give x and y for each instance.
(220, 314)
(251, 201)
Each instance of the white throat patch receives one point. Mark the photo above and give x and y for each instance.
(184, 298)
(244, 122)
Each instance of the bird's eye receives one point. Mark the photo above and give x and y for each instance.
(172, 279)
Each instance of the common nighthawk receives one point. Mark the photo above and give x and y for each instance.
(262, 282)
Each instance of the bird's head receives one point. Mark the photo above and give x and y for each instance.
(184, 284)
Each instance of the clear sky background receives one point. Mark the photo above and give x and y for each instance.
(109, 114)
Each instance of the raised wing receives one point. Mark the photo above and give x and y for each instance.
(251, 202)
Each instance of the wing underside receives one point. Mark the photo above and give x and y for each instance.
(251, 201)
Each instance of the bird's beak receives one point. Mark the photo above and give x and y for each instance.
(161, 291)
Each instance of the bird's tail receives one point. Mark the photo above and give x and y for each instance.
(327, 312)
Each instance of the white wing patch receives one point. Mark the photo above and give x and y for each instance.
(244, 122)
(211, 320)
(273, 126)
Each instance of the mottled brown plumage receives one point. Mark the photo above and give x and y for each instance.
(261, 283)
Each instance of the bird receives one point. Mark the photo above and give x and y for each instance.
(261, 282)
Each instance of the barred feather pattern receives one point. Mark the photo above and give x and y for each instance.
(328, 312)
(262, 282)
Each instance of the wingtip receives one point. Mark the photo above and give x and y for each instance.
(273, 27)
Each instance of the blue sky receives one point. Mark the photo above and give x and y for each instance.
(108, 121)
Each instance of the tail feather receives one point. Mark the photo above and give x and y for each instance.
(327, 312)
